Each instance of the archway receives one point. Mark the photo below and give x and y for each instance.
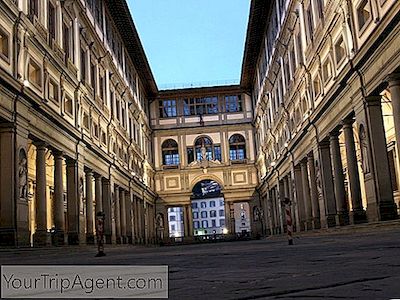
(208, 209)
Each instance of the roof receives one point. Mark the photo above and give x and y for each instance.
(219, 89)
(122, 18)
(258, 20)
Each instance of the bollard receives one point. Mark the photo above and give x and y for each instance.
(100, 233)
(289, 225)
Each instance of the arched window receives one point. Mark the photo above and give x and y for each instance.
(237, 147)
(170, 153)
(206, 143)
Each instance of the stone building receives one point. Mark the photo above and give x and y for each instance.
(84, 128)
(326, 94)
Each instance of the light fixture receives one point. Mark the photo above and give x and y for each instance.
(225, 230)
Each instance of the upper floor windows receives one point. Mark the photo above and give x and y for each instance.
(68, 41)
(51, 20)
(237, 147)
(200, 106)
(53, 92)
(167, 108)
(340, 50)
(310, 22)
(4, 44)
(204, 149)
(35, 73)
(363, 14)
(68, 105)
(33, 9)
(170, 153)
(233, 103)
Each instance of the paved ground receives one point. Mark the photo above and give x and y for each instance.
(358, 265)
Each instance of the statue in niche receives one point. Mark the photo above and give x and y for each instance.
(203, 153)
(23, 174)
(81, 195)
(364, 150)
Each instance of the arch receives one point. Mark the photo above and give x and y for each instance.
(170, 152)
(206, 188)
(203, 147)
(206, 177)
(237, 147)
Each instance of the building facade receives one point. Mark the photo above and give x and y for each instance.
(84, 129)
(326, 96)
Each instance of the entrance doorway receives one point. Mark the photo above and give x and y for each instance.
(208, 209)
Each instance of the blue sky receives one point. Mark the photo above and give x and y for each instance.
(192, 41)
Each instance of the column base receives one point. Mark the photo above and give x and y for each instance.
(108, 239)
(41, 238)
(316, 223)
(342, 218)
(73, 238)
(89, 239)
(118, 240)
(388, 211)
(358, 216)
(130, 240)
(124, 240)
(331, 221)
(8, 237)
(58, 238)
(308, 225)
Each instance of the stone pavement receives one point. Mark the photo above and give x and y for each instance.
(354, 265)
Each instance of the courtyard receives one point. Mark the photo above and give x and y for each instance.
(358, 264)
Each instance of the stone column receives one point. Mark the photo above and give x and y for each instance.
(316, 221)
(306, 196)
(385, 207)
(227, 216)
(342, 216)
(232, 228)
(8, 172)
(89, 208)
(41, 236)
(135, 220)
(139, 207)
(358, 213)
(59, 221)
(97, 190)
(394, 87)
(106, 200)
(301, 213)
(117, 214)
(190, 219)
(122, 203)
(72, 202)
(128, 216)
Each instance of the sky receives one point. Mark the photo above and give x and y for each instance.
(192, 41)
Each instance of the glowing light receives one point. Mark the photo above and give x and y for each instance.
(225, 231)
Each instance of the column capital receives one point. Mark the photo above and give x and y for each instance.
(97, 176)
(88, 173)
(347, 123)
(334, 135)
(58, 154)
(310, 157)
(40, 144)
(393, 79)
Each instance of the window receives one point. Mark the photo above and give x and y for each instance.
(221, 202)
(363, 14)
(172, 218)
(213, 213)
(93, 75)
(34, 73)
(320, 8)
(53, 91)
(200, 106)
(233, 103)
(51, 20)
(173, 227)
(83, 65)
(327, 70)
(167, 108)
(299, 49)
(68, 105)
(195, 215)
(4, 44)
(221, 212)
(203, 145)
(103, 138)
(212, 203)
(203, 204)
(310, 23)
(340, 50)
(237, 147)
(217, 153)
(85, 120)
(170, 152)
(96, 130)
(204, 224)
(33, 9)
(204, 214)
(317, 87)
(190, 155)
(196, 224)
(213, 223)
(67, 42)
(194, 205)
(222, 222)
